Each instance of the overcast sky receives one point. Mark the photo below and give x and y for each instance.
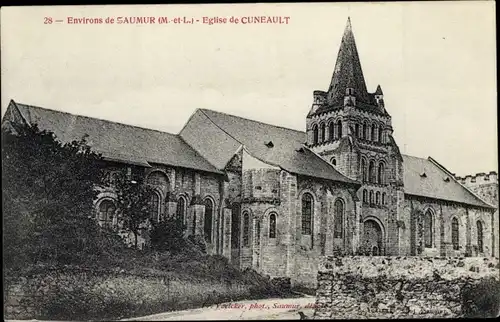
(435, 61)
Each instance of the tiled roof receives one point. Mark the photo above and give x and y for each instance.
(348, 72)
(116, 141)
(427, 178)
(287, 152)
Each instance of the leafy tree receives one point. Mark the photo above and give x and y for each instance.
(134, 205)
(168, 235)
(47, 194)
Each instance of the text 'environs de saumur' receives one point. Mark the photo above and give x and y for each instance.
(145, 20)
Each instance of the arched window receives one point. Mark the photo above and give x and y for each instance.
(479, 236)
(207, 227)
(333, 161)
(339, 129)
(377, 198)
(375, 251)
(323, 132)
(428, 229)
(154, 206)
(338, 221)
(330, 131)
(371, 172)
(246, 229)
(106, 213)
(380, 132)
(272, 225)
(383, 198)
(381, 171)
(356, 129)
(315, 134)
(307, 211)
(181, 209)
(157, 178)
(365, 195)
(374, 138)
(365, 130)
(371, 197)
(454, 233)
(364, 170)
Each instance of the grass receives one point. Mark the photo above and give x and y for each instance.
(145, 284)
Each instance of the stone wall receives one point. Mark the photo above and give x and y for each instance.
(396, 287)
(308, 249)
(443, 214)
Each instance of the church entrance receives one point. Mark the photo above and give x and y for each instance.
(373, 238)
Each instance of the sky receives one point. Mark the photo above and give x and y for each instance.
(435, 62)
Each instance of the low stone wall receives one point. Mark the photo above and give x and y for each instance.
(396, 287)
(78, 294)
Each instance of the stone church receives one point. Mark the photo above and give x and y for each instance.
(276, 199)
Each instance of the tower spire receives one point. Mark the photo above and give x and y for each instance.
(347, 72)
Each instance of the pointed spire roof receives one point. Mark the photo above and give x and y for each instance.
(379, 91)
(347, 72)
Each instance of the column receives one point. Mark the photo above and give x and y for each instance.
(226, 232)
(170, 205)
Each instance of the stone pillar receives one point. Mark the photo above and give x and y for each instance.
(358, 226)
(170, 205)
(289, 184)
(172, 180)
(226, 232)
(197, 183)
(468, 246)
(196, 216)
(443, 245)
(323, 221)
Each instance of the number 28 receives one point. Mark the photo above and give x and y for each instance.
(47, 20)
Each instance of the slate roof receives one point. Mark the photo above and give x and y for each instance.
(116, 141)
(437, 183)
(136, 145)
(348, 72)
(288, 151)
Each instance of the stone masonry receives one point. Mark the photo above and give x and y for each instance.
(396, 287)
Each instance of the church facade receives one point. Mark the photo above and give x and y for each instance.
(276, 199)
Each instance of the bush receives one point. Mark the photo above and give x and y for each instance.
(168, 235)
(481, 300)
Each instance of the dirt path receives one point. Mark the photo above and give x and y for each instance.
(266, 309)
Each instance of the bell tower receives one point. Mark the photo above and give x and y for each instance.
(350, 128)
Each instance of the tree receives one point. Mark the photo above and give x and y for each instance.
(134, 204)
(47, 194)
(168, 235)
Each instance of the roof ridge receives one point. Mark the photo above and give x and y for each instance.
(244, 118)
(95, 118)
(220, 127)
